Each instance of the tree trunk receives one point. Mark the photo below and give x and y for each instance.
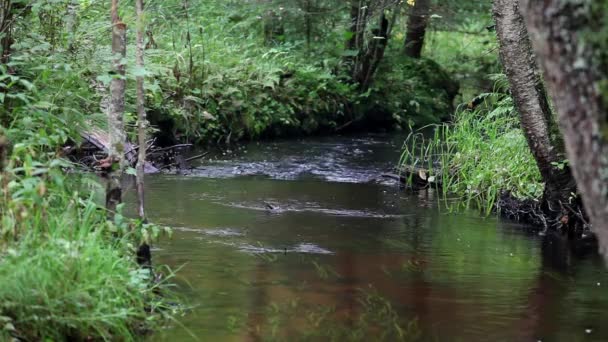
(308, 24)
(274, 29)
(374, 54)
(416, 28)
(530, 99)
(561, 32)
(6, 23)
(115, 112)
(141, 110)
(144, 257)
(359, 12)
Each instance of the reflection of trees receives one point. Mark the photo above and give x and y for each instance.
(259, 302)
(561, 279)
(347, 287)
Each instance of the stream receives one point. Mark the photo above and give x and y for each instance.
(304, 240)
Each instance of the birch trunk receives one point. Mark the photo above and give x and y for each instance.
(529, 95)
(116, 111)
(560, 32)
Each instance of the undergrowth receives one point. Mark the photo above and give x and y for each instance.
(67, 273)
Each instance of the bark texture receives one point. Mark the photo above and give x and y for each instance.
(141, 109)
(144, 255)
(529, 95)
(359, 11)
(116, 110)
(417, 22)
(6, 27)
(557, 29)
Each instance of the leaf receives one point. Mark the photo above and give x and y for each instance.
(105, 79)
(140, 71)
(131, 171)
(27, 84)
(208, 115)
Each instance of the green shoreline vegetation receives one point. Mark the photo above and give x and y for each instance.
(481, 155)
(67, 272)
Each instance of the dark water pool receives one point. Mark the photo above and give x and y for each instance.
(345, 255)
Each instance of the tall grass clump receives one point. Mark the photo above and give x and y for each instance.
(482, 154)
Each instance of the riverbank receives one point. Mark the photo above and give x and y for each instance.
(482, 159)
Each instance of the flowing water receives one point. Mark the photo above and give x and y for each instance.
(304, 240)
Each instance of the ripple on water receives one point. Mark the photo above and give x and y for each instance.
(302, 248)
(313, 209)
(223, 232)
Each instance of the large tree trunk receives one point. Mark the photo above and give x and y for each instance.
(417, 22)
(537, 121)
(116, 111)
(560, 32)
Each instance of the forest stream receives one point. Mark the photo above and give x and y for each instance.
(304, 240)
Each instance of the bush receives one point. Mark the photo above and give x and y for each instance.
(411, 92)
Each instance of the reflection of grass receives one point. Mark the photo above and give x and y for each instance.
(373, 319)
(325, 271)
(397, 244)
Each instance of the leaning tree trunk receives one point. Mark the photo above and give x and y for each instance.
(531, 101)
(115, 112)
(561, 36)
(417, 22)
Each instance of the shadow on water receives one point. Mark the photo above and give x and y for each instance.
(341, 255)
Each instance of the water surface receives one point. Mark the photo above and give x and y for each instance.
(304, 240)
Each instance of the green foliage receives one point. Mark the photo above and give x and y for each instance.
(468, 52)
(210, 77)
(480, 155)
(67, 272)
(413, 92)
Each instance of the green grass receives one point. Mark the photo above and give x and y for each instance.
(70, 282)
(66, 272)
(482, 154)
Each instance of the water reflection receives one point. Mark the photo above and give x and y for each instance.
(391, 265)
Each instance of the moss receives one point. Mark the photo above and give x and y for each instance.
(412, 92)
